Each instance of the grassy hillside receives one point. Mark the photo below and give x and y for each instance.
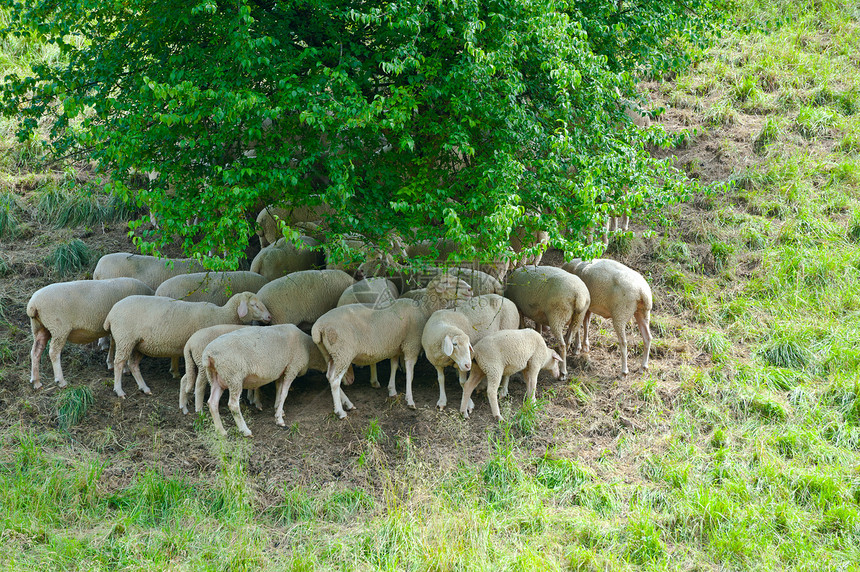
(739, 450)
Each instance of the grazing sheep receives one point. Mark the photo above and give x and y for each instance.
(73, 312)
(267, 221)
(519, 241)
(620, 293)
(548, 296)
(358, 334)
(302, 297)
(160, 327)
(283, 257)
(437, 252)
(150, 270)
(252, 357)
(503, 354)
(195, 373)
(449, 334)
(213, 287)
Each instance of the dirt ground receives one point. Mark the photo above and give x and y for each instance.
(585, 417)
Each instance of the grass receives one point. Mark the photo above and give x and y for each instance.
(746, 431)
(70, 258)
(72, 405)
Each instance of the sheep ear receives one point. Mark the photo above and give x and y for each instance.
(471, 350)
(447, 346)
(243, 308)
(555, 356)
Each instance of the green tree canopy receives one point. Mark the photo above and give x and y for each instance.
(431, 118)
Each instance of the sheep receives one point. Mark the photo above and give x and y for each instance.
(620, 293)
(548, 296)
(439, 251)
(213, 287)
(481, 282)
(376, 292)
(150, 270)
(302, 297)
(519, 240)
(283, 257)
(195, 374)
(160, 327)
(449, 334)
(252, 357)
(267, 220)
(502, 354)
(73, 312)
(358, 334)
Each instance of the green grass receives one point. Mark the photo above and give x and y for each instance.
(70, 258)
(745, 443)
(72, 405)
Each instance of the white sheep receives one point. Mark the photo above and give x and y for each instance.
(195, 374)
(267, 220)
(358, 334)
(282, 257)
(376, 291)
(214, 287)
(73, 312)
(449, 334)
(302, 297)
(551, 297)
(252, 357)
(502, 354)
(620, 293)
(150, 270)
(160, 327)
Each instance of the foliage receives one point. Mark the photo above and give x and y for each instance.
(453, 119)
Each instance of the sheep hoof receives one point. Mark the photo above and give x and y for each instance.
(222, 432)
(280, 423)
(248, 434)
(184, 410)
(375, 384)
(36, 383)
(440, 406)
(465, 414)
(411, 405)
(341, 414)
(503, 394)
(61, 382)
(147, 391)
(259, 406)
(120, 393)
(498, 418)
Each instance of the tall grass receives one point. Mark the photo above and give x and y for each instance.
(70, 258)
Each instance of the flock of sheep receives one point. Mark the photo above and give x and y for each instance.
(461, 317)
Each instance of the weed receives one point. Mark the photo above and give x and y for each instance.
(72, 405)
(812, 122)
(763, 407)
(4, 270)
(10, 212)
(854, 227)
(643, 541)
(715, 344)
(526, 418)
(768, 135)
(373, 433)
(786, 350)
(298, 505)
(721, 114)
(70, 258)
(721, 252)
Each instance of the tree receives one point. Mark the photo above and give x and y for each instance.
(431, 118)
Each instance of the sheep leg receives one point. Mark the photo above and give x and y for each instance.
(558, 332)
(462, 379)
(255, 397)
(184, 385)
(111, 349)
(54, 352)
(199, 389)
(374, 379)
(134, 366)
(174, 367)
(531, 376)
(334, 382)
(214, 400)
(504, 391)
(586, 345)
(493, 380)
(645, 330)
(392, 388)
(466, 404)
(621, 332)
(40, 340)
(236, 410)
(118, 366)
(443, 399)
(409, 366)
(283, 387)
(344, 400)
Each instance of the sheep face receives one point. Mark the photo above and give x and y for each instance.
(252, 308)
(459, 350)
(552, 364)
